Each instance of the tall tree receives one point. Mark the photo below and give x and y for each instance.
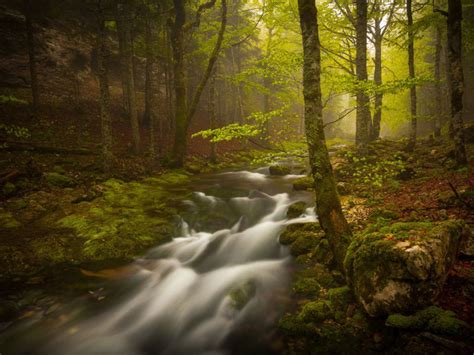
(28, 11)
(411, 73)
(212, 112)
(124, 11)
(363, 120)
(381, 20)
(457, 78)
(328, 204)
(183, 112)
(105, 119)
(437, 76)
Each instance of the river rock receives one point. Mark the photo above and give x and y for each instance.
(402, 267)
(279, 170)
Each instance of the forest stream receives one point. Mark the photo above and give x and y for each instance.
(211, 290)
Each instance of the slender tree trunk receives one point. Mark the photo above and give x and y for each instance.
(328, 204)
(437, 74)
(105, 119)
(184, 114)
(378, 82)
(212, 113)
(363, 121)
(31, 54)
(411, 70)
(124, 26)
(457, 78)
(123, 66)
(150, 84)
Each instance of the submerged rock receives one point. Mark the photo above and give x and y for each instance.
(402, 267)
(296, 210)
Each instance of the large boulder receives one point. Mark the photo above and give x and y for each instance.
(402, 267)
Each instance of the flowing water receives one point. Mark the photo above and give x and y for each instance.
(214, 289)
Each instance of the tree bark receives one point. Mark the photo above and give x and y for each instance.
(212, 113)
(105, 120)
(437, 75)
(184, 114)
(328, 204)
(124, 23)
(150, 84)
(31, 54)
(363, 120)
(378, 82)
(457, 78)
(411, 70)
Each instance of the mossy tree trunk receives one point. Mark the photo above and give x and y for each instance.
(183, 112)
(105, 119)
(411, 73)
(328, 204)
(457, 78)
(124, 25)
(212, 113)
(363, 120)
(27, 4)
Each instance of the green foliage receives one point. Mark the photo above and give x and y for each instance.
(15, 131)
(9, 99)
(229, 132)
(374, 173)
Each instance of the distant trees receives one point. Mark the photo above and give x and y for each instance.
(28, 11)
(411, 74)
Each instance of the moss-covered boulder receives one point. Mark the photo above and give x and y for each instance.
(316, 311)
(340, 297)
(296, 209)
(303, 183)
(402, 267)
(294, 231)
(58, 180)
(279, 170)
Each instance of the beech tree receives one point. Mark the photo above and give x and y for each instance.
(328, 204)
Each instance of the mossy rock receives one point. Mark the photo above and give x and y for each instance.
(291, 324)
(340, 297)
(432, 319)
(320, 273)
(402, 267)
(58, 180)
(279, 170)
(7, 220)
(305, 243)
(242, 295)
(308, 286)
(296, 209)
(303, 183)
(316, 311)
(293, 231)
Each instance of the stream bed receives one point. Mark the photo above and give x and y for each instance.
(217, 288)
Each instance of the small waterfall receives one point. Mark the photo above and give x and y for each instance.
(190, 295)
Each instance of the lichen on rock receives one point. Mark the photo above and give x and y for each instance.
(402, 267)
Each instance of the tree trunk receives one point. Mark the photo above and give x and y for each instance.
(184, 114)
(328, 204)
(124, 24)
(457, 78)
(378, 82)
(411, 70)
(363, 121)
(437, 74)
(105, 120)
(31, 54)
(150, 85)
(212, 113)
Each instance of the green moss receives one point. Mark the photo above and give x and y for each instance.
(303, 183)
(404, 322)
(433, 319)
(58, 180)
(296, 209)
(307, 286)
(293, 231)
(317, 311)
(242, 295)
(305, 244)
(7, 220)
(340, 297)
(292, 325)
(279, 170)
